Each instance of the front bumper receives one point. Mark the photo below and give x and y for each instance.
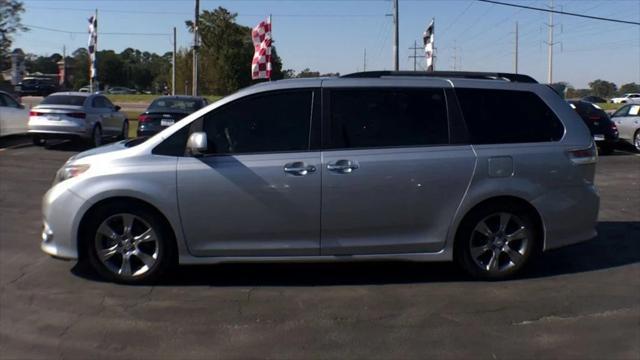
(60, 212)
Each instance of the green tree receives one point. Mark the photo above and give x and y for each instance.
(10, 23)
(629, 88)
(603, 88)
(226, 53)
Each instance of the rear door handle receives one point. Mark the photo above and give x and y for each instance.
(342, 166)
(298, 168)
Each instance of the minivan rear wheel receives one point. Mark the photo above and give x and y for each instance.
(496, 241)
(128, 245)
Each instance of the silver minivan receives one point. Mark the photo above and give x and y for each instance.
(482, 168)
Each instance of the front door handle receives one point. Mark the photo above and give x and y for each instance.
(342, 166)
(298, 168)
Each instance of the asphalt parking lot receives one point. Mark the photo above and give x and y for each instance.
(579, 302)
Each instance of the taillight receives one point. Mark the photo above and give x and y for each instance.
(594, 118)
(77, 115)
(143, 118)
(584, 156)
(34, 113)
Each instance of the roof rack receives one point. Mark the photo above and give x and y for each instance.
(446, 74)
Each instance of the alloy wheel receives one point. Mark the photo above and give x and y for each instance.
(636, 140)
(127, 245)
(499, 242)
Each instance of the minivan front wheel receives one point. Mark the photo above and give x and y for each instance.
(128, 245)
(495, 242)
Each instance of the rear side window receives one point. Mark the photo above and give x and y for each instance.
(370, 118)
(64, 100)
(505, 116)
(271, 122)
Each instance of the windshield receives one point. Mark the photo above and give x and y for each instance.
(64, 100)
(182, 105)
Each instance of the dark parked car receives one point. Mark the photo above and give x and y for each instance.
(36, 86)
(603, 130)
(165, 111)
(594, 99)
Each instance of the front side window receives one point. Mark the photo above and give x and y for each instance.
(263, 123)
(623, 111)
(372, 118)
(505, 116)
(8, 101)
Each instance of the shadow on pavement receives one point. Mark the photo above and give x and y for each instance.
(618, 244)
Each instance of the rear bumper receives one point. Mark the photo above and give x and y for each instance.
(60, 128)
(569, 215)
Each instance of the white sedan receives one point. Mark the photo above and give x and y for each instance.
(630, 98)
(13, 116)
(627, 119)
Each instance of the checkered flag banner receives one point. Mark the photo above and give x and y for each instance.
(427, 37)
(261, 63)
(93, 44)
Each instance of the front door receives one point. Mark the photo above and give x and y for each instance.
(256, 191)
(392, 183)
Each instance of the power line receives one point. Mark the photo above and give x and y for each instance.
(84, 32)
(560, 12)
(300, 15)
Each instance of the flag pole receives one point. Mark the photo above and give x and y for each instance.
(95, 57)
(271, 30)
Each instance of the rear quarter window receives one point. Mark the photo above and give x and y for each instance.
(506, 116)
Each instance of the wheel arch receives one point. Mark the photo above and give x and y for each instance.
(84, 221)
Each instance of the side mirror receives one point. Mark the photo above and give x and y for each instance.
(197, 143)
(21, 106)
(117, 107)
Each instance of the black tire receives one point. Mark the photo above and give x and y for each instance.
(606, 149)
(636, 141)
(467, 237)
(96, 137)
(163, 248)
(124, 133)
(38, 141)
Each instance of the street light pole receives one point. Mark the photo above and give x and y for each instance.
(196, 46)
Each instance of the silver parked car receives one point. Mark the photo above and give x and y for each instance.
(77, 115)
(627, 119)
(13, 115)
(484, 169)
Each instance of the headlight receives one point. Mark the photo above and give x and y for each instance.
(69, 171)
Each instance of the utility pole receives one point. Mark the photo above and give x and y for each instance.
(516, 56)
(455, 56)
(173, 63)
(364, 60)
(415, 56)
(196, 46)
(396, 37)
(550, 44)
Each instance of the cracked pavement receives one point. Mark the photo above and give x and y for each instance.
(579, 302)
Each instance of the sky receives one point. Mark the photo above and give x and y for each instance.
(332, 35)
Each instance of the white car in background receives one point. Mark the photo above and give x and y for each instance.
(627, 120)
(13, 115)
(630, 98)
